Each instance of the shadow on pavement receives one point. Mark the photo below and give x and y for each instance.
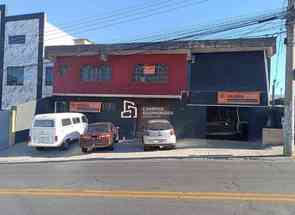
(132, 146)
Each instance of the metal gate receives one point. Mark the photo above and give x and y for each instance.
(5, 125)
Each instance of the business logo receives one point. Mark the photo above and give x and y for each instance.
(129, 110)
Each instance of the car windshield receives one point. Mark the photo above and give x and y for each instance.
(98, 128)
(44, 123)
(159, 126)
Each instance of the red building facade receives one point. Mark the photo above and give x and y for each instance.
(123, 78)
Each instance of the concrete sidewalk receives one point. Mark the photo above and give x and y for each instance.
(187, 148)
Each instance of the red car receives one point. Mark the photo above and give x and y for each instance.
(99, 135)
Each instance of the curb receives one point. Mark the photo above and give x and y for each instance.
(199, 157)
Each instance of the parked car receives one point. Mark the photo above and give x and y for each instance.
(57, 129)
(99, 135)
(159, 133)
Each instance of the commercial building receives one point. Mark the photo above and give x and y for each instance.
(24, 74)
(204, 87)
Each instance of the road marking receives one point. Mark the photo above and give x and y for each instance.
(218, 196)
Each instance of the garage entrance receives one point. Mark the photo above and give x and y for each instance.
(226, 123)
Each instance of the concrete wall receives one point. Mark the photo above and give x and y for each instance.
(24, 116)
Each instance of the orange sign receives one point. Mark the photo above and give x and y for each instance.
(250, 98)
(149, 69)
(85, 106)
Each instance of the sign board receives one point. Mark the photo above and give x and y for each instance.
(149, 69)
(245, 98)
(129, 110)
(85, 107)
(156, 112)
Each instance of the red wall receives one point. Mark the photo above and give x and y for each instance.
(122, 69)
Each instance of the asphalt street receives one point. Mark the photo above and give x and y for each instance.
(149, 187)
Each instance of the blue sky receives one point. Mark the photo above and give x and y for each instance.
(69, 13)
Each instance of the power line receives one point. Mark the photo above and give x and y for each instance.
(162, 36)
(202, 28)
(114, 13)
(134, 16)
(217, 28)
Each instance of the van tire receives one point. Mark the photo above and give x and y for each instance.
(65, 145)
(40, 149)
(147, 148)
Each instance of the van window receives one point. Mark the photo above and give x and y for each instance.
(84, 119)
(66, 122)
(76, 120)
(44, 123)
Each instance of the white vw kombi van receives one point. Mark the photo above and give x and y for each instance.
(57, 129)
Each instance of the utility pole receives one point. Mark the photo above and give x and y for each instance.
(289, 85)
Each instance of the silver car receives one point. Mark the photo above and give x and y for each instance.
(159, 133)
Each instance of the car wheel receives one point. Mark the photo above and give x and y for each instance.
(84, 150)
(172, 147)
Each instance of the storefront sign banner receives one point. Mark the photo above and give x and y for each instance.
(85, 107)
(250, 98)
(156, 112)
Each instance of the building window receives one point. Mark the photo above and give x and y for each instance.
(63, 69)
(88, 73)
(76, 120)
(17, 39)
(15, 75)
(104, 73)
(92, 73)
(157, 73)
(48, 76)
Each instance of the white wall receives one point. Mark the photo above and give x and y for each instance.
(56, 37)
(53, 36)
(21, 55)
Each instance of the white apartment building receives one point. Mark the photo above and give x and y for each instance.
(24, 73)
